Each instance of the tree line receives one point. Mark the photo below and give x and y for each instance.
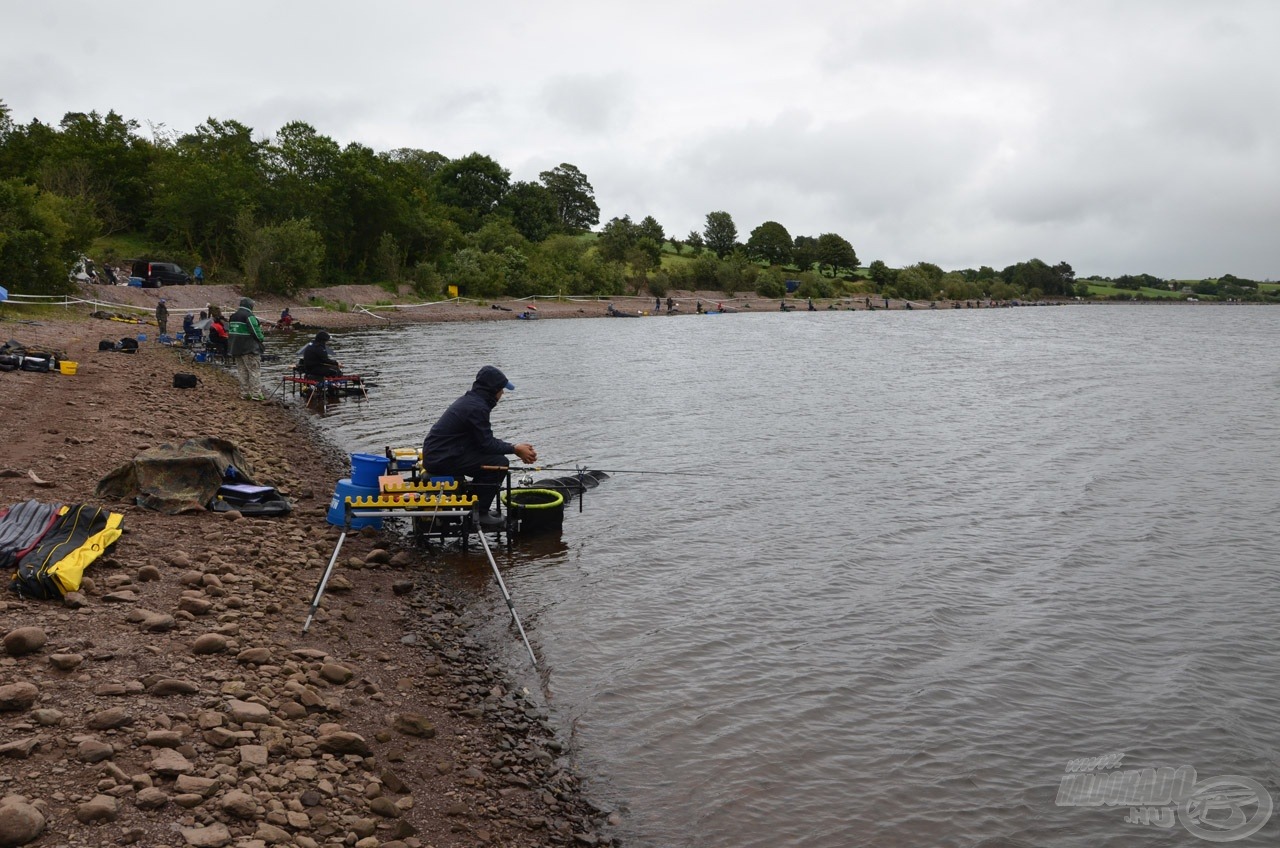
(298, 210)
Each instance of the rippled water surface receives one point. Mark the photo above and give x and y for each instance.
(921, 560)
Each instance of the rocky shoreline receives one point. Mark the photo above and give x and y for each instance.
(173, 701)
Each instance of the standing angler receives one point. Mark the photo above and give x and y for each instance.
(244, 344)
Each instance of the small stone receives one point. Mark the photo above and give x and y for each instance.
(385, 807)
(24, 640)
(244, 711)
(94, 751)
(168, 762)
(402, 587)
(158, 622)
(47, 717)
(239, 804)
(163, 738)
(170, 686)
(66, 662)
(148, 574)
(254, 655)
(20, 823)
(253, 755)
(342, 742)
(195, 606)
(209, 643)
(110, 719)
(271, 834)
(414, 724)
(16, 697)
(213, 836)
(19, 749)
(202, 786)
(151, 798)
(103, 808)
(335, 673)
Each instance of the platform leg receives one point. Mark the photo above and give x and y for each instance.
(506, 596)
(324, 578)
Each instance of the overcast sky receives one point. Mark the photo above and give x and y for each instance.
(1128, 136)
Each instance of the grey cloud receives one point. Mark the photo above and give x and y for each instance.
(588, 103)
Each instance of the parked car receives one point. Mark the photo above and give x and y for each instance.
(156, 274)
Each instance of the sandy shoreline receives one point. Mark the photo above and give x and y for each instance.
(175, 701)
(349, 307)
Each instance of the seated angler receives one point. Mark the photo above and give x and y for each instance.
(219, 339)
(461, 444)
(317, 361)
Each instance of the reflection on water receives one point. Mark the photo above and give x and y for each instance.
(924, 559)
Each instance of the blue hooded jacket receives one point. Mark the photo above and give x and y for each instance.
(463, 436)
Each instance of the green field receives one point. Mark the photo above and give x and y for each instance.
(1096, 290)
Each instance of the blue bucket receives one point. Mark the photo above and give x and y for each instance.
(337, 515)
(366, 468)
(142, 337)
(202, 356)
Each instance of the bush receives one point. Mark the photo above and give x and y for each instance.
(770, 286)
(815, 287)
(41, 235)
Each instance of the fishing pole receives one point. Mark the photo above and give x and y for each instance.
(635, 471)
(558, 466)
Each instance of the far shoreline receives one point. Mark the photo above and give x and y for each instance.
(363, 306)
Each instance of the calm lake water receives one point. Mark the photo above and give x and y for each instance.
(914, 564)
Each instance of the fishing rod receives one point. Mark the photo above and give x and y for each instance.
(559, 466)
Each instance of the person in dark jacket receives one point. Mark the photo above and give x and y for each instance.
(317, 363)
(462, 442)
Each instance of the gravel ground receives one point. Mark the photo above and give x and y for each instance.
(173, 701)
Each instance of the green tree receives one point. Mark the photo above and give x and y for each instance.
(617, 237)
(720, 233)
(921, 281)
(804, 252)
(41, 234)
(1036, 274)
(695, 242)
(474, 185)
(835, 252)
(362, 206)
(301, 167)
(706, 271)
(389, 264)
(650, 228)
(201, 183)
(532, 209)
(881, 274)
(282, 258)
(99, 161)
(770, 283)
(575, 198)
(770, 242)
